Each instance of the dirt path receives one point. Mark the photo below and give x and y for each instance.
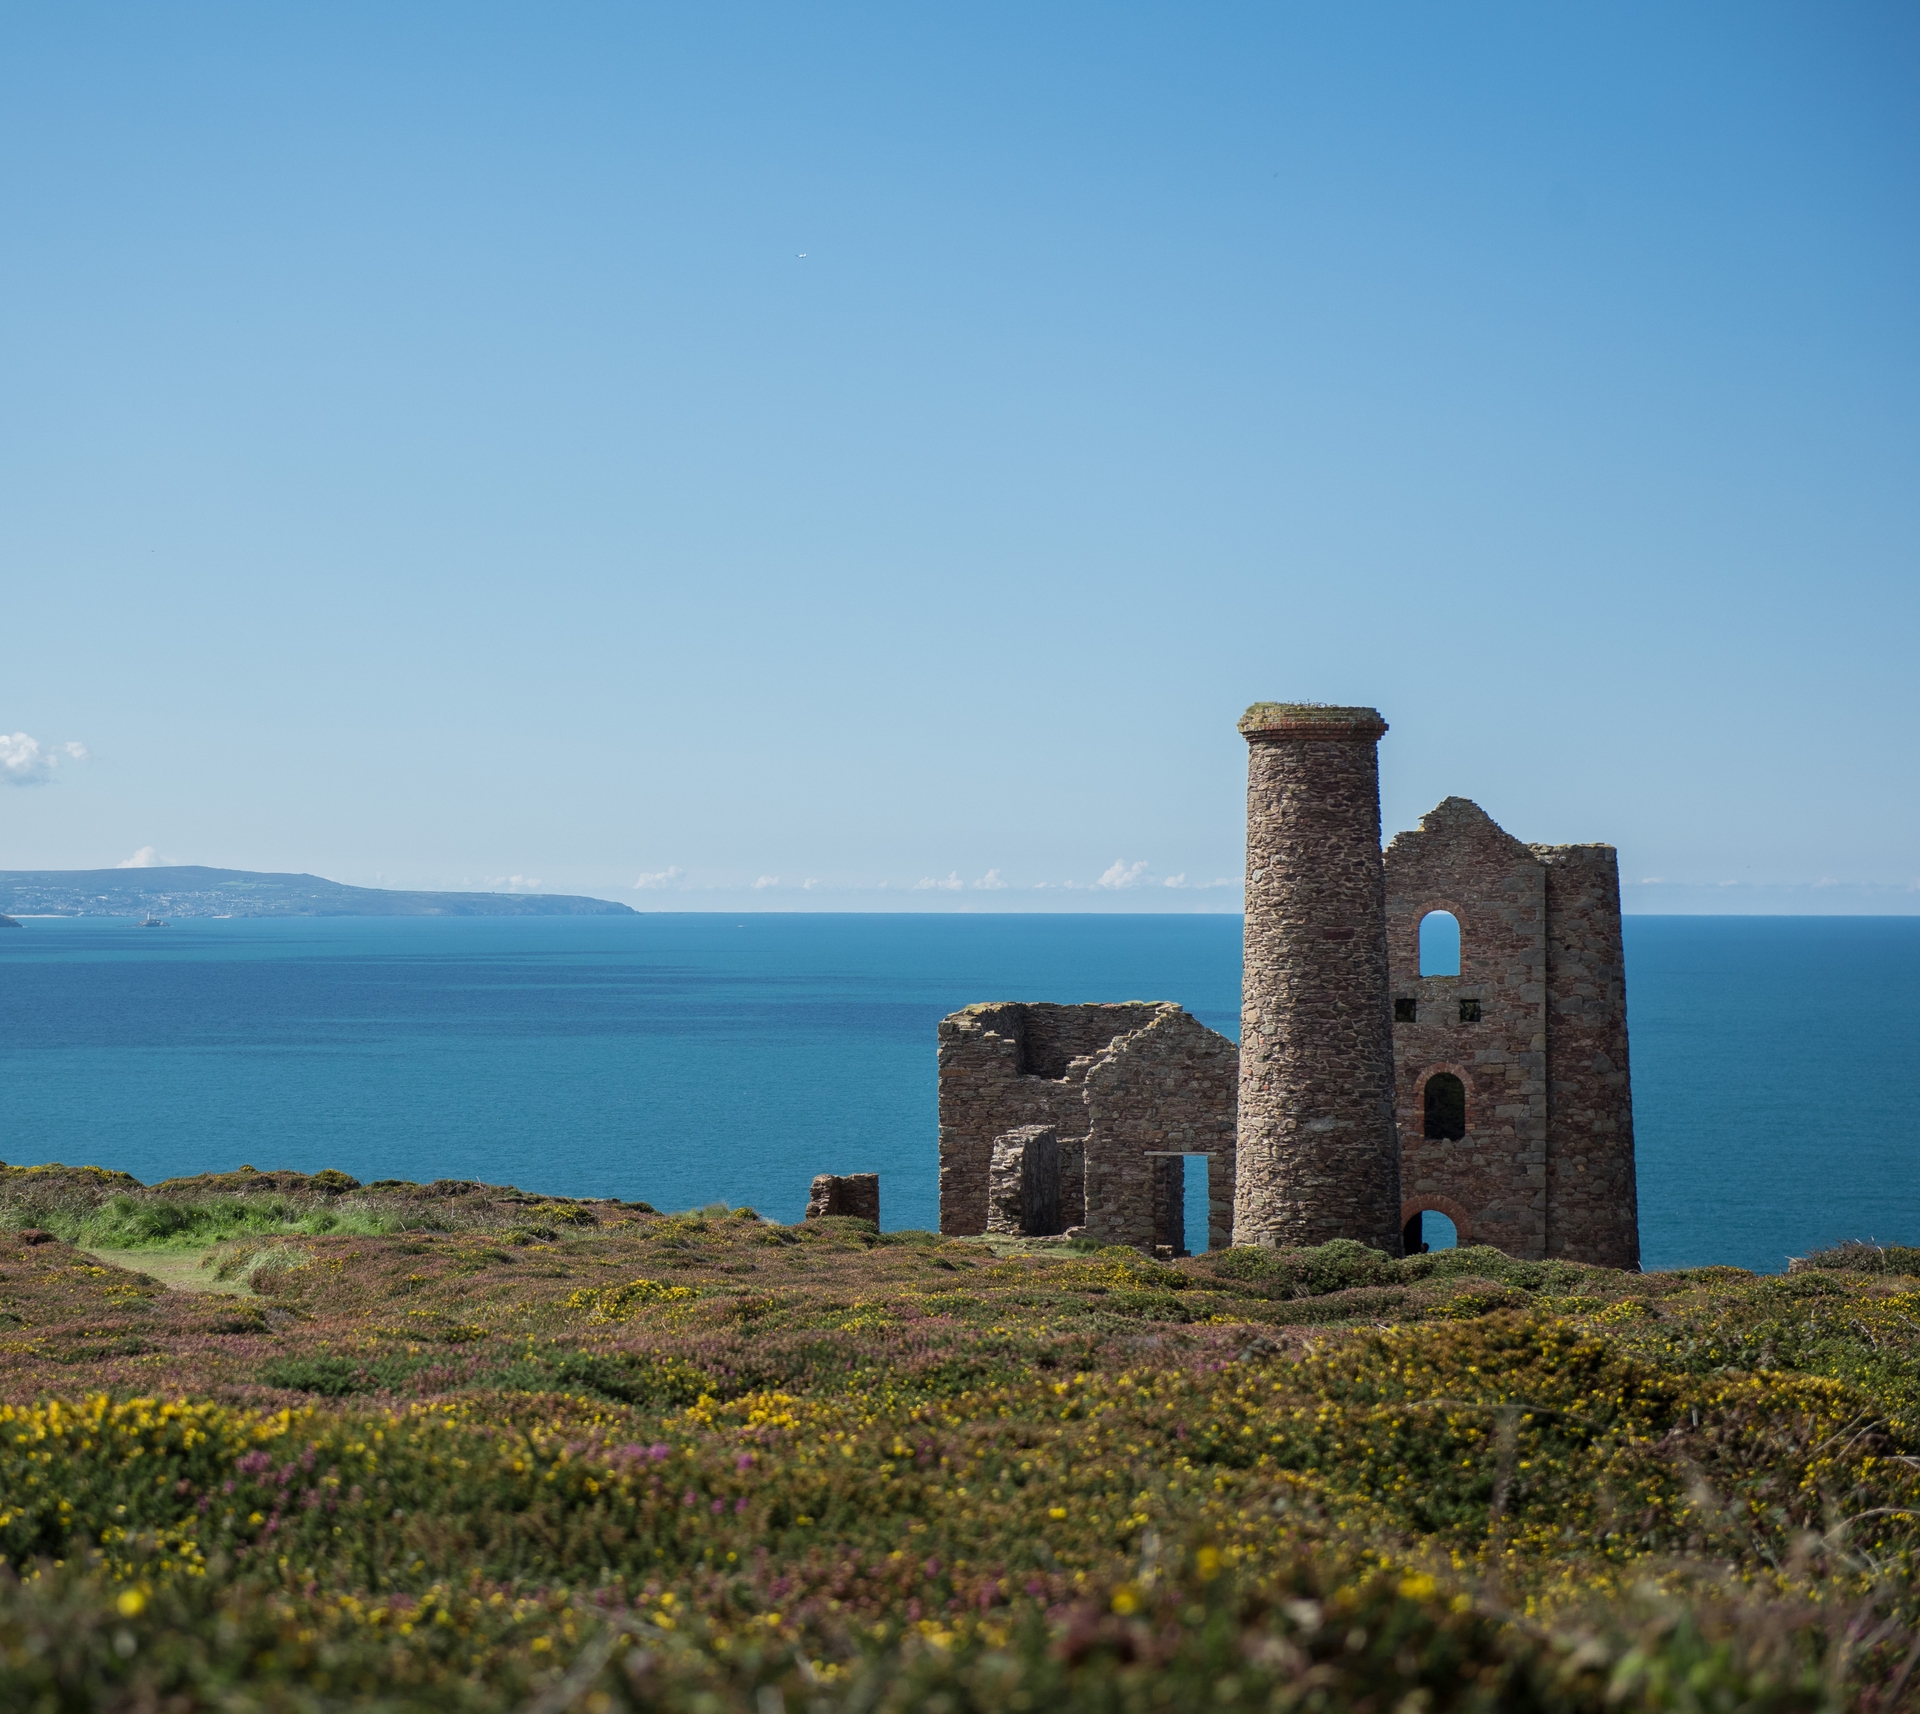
(178, 1270)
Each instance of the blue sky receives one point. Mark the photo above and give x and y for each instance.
(872, 447)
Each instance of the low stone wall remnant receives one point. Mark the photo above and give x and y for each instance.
(854, 1193)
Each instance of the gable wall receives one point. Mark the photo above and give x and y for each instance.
(1460, 861)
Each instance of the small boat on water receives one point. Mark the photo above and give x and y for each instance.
(156, 922)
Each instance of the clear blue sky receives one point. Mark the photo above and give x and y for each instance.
(428, 458)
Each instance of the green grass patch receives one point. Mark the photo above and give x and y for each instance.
(128, 1222)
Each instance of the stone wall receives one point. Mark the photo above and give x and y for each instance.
(1119, 1084)
(1592, 1196)
(1171, 1088)
(1460, 861)
(1546, 1165)
(1023, 1187)
(854, 1193)
(1317, 1157)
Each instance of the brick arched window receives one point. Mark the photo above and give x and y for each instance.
(1440, 944)
(1446, 1107)
(1429, 1229)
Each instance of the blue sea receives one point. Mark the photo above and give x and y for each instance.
(691, 1059)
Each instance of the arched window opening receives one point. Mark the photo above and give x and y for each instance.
(1429, 1230)
(1439, 944)
(1446, 1107)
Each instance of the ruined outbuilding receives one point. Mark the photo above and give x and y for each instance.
(1515, 1105)
(1126, 1089)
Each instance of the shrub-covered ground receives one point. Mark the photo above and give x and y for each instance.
(458, 1447)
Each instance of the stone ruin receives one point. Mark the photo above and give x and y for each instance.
(1370, 1093)
(1365, 1094)
(1126, 1090)
(1317, 1152)
(1512, 1089)
(1023, 1184)
(854, 1193)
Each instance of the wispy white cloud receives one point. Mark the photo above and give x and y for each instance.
(952, 884)
(765, 882)
(23, 762)
(991, 882)
(1179, 880)
(1121, 873)
(514, 883)
(809, 883)
(145, 858)
(660, 877)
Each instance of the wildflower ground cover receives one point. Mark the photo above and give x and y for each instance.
(459, 1447)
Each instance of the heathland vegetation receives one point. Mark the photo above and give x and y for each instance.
(457, 1447)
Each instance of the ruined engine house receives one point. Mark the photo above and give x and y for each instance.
(1371, 1086)
(1512, 1089)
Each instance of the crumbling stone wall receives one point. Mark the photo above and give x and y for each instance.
(1534, 1026)
(1318, 1157)
(1119, 1084)
(1023, 1190)
(855, 1193)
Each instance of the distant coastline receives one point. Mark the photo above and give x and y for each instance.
(189, 890)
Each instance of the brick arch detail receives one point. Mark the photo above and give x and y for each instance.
(1424, 909)
(1414, 1113)
(1462, 1220)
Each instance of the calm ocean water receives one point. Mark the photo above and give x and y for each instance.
(690, 1059)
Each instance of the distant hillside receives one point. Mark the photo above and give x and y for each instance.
(187, 890)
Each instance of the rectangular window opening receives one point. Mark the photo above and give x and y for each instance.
(1198, 1208)
(1406, 1011)
(1469, 1011)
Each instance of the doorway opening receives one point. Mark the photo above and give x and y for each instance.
(1194, 1196)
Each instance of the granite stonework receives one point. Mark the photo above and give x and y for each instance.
(1023, 1185)
(1318, 1157)
(1365, 1094)
(1593, 1199)
(1126, 1088)
(854, 1193)
(1534, 1026)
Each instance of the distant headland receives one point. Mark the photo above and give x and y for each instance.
(188, 890)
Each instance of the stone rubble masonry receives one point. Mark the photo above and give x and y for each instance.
(1546, 1165)
(1124, 1086)
(1169, 1206)
(1318, 1157)
(855, 1193)
(1459, 861)
(1593, 1200)
(1023, 1191)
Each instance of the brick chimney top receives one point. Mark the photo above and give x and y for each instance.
(1271, 722)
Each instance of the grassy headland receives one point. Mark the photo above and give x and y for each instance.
(459, 1447)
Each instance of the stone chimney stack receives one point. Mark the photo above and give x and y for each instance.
(1318, 1155)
